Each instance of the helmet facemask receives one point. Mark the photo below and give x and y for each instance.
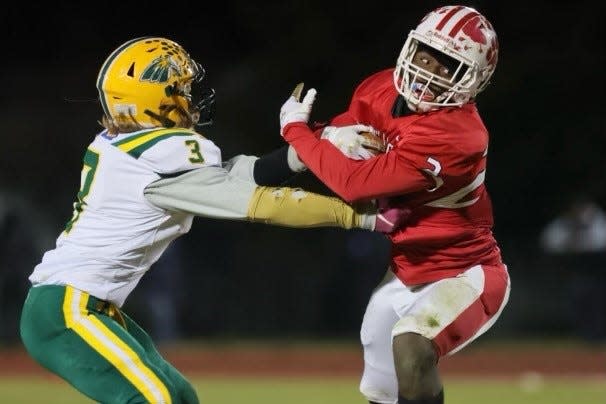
(425, 91)
(180, 109)
(202, 101)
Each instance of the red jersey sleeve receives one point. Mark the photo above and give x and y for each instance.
(399, 171)
(393, 173)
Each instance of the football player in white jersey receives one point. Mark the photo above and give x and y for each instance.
(144, 178)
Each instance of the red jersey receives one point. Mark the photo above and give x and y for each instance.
(435, 165)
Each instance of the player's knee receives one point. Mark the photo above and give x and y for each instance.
(414, 355)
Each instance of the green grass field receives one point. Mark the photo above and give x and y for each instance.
(327, 391)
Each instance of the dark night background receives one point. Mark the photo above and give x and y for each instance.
(544, 110)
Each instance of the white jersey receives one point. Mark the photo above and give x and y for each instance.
(115, 233)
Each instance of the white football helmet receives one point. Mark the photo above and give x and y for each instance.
(461, 33)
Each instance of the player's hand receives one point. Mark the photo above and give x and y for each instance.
(294, 110)
(389, 218)
(349, 141)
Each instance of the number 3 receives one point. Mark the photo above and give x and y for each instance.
(194, 148)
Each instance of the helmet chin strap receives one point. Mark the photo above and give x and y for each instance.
(421, 107)
(165, 121)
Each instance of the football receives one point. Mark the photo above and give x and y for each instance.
(373, 143)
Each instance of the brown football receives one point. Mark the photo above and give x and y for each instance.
(373, 143)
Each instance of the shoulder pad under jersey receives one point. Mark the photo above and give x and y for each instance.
(171, 150)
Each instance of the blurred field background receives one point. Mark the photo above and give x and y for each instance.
(327, 373)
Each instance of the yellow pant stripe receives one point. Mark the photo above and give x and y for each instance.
(112, 348)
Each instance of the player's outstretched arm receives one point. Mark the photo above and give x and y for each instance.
(271, 169)
(359, 142)
(277, 167)
(295, 207)
(213, 192)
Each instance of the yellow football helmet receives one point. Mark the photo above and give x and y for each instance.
(147, 82)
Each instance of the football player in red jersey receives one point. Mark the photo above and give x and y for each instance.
(447, 283)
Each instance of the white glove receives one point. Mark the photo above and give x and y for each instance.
(349, 141)
(293, 110)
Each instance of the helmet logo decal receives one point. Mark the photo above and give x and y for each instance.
(463, 23)
(475, 31)
(451, 12)
(492, 53)
(160, 69)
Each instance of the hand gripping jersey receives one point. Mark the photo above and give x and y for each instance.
(115, 234)
(435, 165)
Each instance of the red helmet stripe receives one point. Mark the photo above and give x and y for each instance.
(448, 16)
(461, 23)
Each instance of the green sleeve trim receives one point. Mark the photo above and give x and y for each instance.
(137, 144)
